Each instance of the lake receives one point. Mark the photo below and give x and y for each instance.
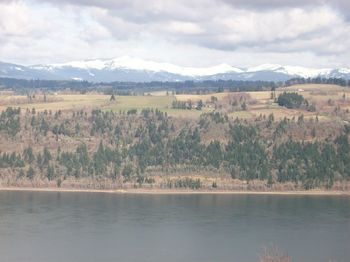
(68, 226)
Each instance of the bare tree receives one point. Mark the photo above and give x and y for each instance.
(273, 254)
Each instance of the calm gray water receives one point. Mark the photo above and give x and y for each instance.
(42, 226)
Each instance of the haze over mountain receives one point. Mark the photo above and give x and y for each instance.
(137, 70)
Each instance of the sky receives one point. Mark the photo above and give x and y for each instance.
(310, 33)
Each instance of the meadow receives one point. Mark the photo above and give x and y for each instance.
(327, 99)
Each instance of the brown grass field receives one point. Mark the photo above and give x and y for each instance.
(325, 97)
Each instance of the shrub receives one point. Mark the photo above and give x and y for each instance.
(291, 100)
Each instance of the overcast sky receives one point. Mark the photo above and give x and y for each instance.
(313, 33)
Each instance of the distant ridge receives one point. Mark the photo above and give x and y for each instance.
(138, 70)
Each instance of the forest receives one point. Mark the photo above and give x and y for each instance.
(135, 147)
(23, 86)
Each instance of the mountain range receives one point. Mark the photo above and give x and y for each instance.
(137, 70)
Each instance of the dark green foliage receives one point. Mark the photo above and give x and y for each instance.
(12, 160)
(21, 173)
(291, 100)
(130, 88)
(59, 182)
(181, 105)
(83, 156)
(100, 121)
(312, 164)
(28, 155)
(44, 127)
(101, 159)
(46, 156)
(10, 121)
(269, 181)
(60, 129)
(214, 155)
(250, 157)
(187, 149)
(127, 171)
(317, 80)
(200, 105)
(30, 173)
(137, 145)
(50, 172)
(240, 132)
(185, 183)
(115, 172)
(132, 112)
(218, 117)
(70, 162)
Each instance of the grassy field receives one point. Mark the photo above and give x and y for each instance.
(314, 87)
(325, 97)
(90, 100)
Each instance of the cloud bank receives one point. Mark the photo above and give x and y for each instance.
(193, 33)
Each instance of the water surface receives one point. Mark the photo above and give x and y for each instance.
(51, 226)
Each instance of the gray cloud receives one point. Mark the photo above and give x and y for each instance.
(156, 6)
(216, 29)
(272, 4)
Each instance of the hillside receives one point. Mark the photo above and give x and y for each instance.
(226, 141)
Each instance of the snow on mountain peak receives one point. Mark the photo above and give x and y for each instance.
(128, 63)
(305, 72)
(344, 70)
(263, 67)
(291, 70)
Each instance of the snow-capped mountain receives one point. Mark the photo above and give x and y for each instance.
(137, 70)
(128, 63)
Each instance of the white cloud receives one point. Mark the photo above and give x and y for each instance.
(184, 28)
(10, 26)
(198, 32)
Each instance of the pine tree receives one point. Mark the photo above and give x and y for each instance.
(30, 173)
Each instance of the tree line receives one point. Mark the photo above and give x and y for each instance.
(318, 80)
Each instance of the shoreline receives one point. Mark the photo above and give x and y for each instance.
(179, 192)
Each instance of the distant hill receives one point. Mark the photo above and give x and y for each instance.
(137, 70)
